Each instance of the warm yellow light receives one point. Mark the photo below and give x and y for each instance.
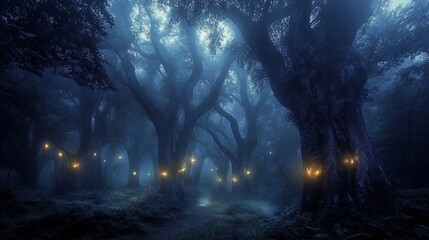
(182, 170)
(164, 173)
(247, 171)
(46, 146)
(313, 172)
(235, 179)
(60, 154)
(351, 160)
(193, 160)
(134, 173)
(75, 165)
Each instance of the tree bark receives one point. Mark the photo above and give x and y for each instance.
(329, 138)
(321, 81)
(134, 168)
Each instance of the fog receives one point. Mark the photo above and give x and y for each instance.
(171, 119)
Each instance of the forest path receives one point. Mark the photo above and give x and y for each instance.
(215, 220)
(197, 216)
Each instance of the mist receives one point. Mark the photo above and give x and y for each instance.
(171, 119)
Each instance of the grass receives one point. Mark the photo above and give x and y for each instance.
(98, 215)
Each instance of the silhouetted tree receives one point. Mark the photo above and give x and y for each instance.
(305, 49)
(58, 34)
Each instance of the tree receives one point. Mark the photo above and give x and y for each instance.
(175, 117)
(62, 35)
(394, 43)
(245, 143)
(305, 49)
(35, 113)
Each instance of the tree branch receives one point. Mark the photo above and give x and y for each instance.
(233, 124)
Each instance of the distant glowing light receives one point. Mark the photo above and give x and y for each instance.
(247, 172)
(313, 171)
(211, 169)
(351, 160)
(271, 153)
(182, 170)
(193, 160)
(219, 179)
(95, 154)
(164, 173)
(235, 179)
(148, 174)
(60, 154)
(104, 160)
(120, 157)
(75, 165)
(134, 173)
(46, 146)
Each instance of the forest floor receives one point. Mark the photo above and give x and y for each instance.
(144, 214)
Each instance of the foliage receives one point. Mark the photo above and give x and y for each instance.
(392, 35)
(104, 214)
(60, 34)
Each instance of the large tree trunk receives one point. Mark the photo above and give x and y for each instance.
(165, 170)
(27, 158)
(134, 168)
(170, 183)
(221, 178)
(237, 174)
(330, 140)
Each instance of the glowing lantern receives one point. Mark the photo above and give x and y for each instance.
(193, 160)
(60, 154)
(75, 165)
(313, 172)
(46, 146)
(134, 173)
(235, 179)
(351, 160)
(182, 170)
(247, 172)
(95, 154)
(164, 174)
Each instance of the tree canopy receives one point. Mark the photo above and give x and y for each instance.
(58, 34)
